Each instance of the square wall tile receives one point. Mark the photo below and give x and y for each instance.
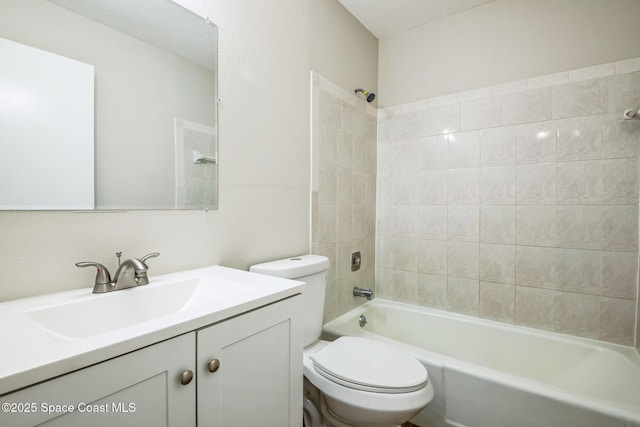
(579, 270)
(404, 286)
(617, 319)
(620, 181)
(535, 308)
(582, 98)
(623, 91)
(580, 183)
(405, 221)
(330, 109)
(536, 225)
(405, 126)
(344, 185)
(619, 274)
(620, 228)
(536, 143)
(463, 295)
(498, 185)
(443, 119)
(432, 291)
(328, 144)
(498, 146)
(497, 301)
(433, 222)
(344, 224)
(404, 255)
(432, 152)
(497, 263)
(462, 186)
(578, 226)
(578, 314)
(527, 106)
(536, 266)
(406, 189)
(464, 150)
(433, 186)
(536, 184)
(325, 224)
(580, 138)
(344, 148)
(432, 257)
(481, 114)
(620, 138)
(404, 156)
(498, 224)
(328, 188)
(462, 260)
(463, 223)
(384, 245)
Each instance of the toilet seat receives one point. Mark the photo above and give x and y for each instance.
(368, 365)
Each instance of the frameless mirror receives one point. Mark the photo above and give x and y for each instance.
(109, 104)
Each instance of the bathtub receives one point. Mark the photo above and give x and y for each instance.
(492, 374)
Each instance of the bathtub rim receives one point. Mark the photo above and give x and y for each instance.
(627, 412)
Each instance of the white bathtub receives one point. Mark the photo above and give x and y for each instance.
(491, 374)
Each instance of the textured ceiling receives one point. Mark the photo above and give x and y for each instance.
(386, 17)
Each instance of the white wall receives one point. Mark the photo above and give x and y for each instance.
(264, 171)
(343, 50)
(502, 41)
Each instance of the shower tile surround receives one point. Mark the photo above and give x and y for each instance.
(344, 190)
(516, 202)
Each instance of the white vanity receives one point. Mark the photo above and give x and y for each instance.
(213, 346)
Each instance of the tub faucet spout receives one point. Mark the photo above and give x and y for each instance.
(359, 292)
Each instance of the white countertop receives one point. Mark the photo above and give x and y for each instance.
(31, 354)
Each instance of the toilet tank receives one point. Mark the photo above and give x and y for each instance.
(311, 269)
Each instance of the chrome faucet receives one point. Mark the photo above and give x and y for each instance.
(359, 292)
(131, 272)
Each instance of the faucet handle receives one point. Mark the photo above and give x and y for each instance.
(103, 278)
(151, 255)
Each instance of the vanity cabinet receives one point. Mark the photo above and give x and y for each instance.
(136, 389)
(247, 371)
(257, 364)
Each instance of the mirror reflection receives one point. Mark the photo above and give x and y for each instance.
(114, 96)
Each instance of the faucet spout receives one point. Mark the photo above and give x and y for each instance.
(132, 272)
(366, 293)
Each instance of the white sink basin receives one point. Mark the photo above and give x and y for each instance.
(53, 334)
(102, 313)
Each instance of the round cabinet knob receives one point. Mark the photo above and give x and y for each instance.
(214, 365)
(186, 377)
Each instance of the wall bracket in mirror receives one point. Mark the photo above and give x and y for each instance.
(199, 158)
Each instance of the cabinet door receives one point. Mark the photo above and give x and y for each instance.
(141, 388)
(259, 379)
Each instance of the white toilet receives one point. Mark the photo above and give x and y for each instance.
(361, 382)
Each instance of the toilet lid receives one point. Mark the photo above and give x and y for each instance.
(369, 365)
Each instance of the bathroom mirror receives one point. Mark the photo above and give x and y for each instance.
(155, 139)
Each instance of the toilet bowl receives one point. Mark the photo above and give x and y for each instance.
(358, 382)
(366, 383)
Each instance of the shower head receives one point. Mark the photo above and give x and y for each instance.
(369, 95)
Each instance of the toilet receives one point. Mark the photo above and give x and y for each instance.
(352, 381)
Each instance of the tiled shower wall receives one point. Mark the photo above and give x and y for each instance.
(517, 202)
(343, 190)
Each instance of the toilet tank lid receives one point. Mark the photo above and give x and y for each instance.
(294, 267)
